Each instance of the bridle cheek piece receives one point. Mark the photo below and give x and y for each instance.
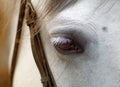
(36, 43)
(37, 47)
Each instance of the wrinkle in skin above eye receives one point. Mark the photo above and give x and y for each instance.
(72, 28)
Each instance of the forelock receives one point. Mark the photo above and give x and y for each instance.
(46, 8)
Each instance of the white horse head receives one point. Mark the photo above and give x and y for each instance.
(94, 24)
(81, 41)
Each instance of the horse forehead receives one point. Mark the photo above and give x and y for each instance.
(87, 9)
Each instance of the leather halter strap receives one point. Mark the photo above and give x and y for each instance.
(36, 44)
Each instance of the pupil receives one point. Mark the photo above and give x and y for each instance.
(66, 46)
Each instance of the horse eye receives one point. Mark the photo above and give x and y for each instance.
(66, 45)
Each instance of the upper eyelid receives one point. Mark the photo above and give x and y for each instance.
(64, 29)
(72, 28)
(86, 31)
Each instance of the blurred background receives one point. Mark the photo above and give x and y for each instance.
(7, 18)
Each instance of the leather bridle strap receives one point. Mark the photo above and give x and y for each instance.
(17, 38)
(37, 47)
(36, 44)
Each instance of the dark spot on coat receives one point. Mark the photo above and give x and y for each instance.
(105, 29)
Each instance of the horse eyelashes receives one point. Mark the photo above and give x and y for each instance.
(66, 45)
(60, 41)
